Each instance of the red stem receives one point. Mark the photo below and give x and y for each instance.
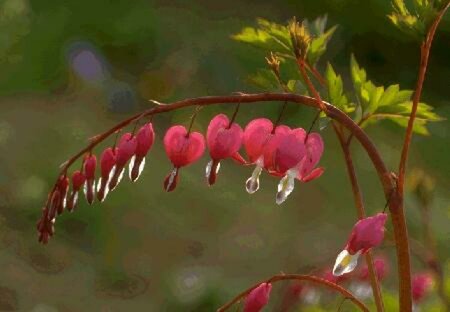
(398, 219)
(359, 204)
(297, 277)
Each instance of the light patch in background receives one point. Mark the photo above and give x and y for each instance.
(32, 188)
(87, 63)
(5, 132)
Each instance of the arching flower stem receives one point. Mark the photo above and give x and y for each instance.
(298, 277)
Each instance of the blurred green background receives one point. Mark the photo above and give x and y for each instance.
(70, 69)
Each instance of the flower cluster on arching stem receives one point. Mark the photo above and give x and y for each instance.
(290, 154)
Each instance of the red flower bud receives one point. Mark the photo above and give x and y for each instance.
(78, 180)
(124, 151)
(145, 138)
(107, 163)
(90, 164)
(258, 298)
(422, 284)
(223, 140)
(63, 187)
(182, 150)
(366, 234)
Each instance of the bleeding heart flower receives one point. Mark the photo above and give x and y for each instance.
(144, 139)
(107, 166)
(78, 180)
(366, 234)
(182, 148)
(89, 166)
(422, 283)
(124, 151)
(282, 157)
(63, 187)
(224, 140)
(314, 150)
(258, 298)
(257, 134)
(45, 226)
(55, 200)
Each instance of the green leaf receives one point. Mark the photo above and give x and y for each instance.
(318, 45)
(400, 112)
(389, 96)
(268, 36)
(358, 74)
(336, 91)
(264, 79)
(416, 21)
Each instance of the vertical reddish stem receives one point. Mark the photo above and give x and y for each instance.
(397, 208)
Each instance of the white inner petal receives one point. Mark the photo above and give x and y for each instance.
(252, 183)
(171, 178)
(286, 186)
(209, 166)
(131, 166)
(345, 262)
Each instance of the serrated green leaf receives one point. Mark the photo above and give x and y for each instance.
(358, 74)
(336, 90)
(415, 21)
(400, 112)
(389, 96)
(318, 45)
(264, 79)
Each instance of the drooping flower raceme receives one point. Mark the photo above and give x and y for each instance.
(257, 135)
(258, 298)
(144, 139)
(366, 234)
(107, 163)
(224, 139)
(124, 151)
(78, 180)
(182, 148)
(89, 166)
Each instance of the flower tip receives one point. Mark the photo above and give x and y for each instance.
(171, 180)
(345, 263)
(252, 185)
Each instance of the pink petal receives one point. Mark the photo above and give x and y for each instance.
(314, 174)
(222, 141)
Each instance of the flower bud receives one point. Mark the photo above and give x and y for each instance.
(366, 233)
(90, 164)
(144, 138)
(258, 298)
(78, 180)
(107, 168)
(124, 151)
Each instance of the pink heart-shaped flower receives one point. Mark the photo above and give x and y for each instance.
(183, 149)
(223, 141)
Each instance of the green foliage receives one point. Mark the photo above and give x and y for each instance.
(417, 21)
(264, 79)
(273, 37)
(377, 103)
(268, 36)
(336, 91)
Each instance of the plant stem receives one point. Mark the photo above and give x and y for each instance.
(359, 204)
(397, 208)
(355, 187)
(297, 277)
